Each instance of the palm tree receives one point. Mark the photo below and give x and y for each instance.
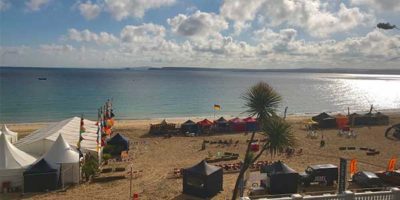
(262, 101)
(279, 136)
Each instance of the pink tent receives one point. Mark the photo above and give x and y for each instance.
(205, 123)
(237, 125)
(251, 124)
(249, 120)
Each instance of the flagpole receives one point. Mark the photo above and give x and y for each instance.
(214, 114)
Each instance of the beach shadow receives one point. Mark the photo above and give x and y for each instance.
(187, 197)
(148, 135)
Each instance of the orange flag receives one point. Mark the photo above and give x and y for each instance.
(353, 167)
(392, 164)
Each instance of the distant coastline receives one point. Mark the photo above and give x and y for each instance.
(295, 70)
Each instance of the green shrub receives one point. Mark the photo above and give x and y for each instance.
(106, 156)
(90, 167)
(113, 150)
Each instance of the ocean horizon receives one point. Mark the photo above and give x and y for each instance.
(144, 94)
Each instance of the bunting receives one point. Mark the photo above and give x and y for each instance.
(81, 131)
(106, 122)
(98, 132)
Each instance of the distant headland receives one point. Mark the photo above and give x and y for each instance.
(297, 70)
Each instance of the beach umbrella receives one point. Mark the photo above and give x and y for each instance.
(310, 122)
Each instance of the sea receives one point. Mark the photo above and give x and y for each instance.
(144, 94)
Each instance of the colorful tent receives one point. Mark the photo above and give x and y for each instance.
(12, 162)
(205, 123)
(221, 125)
(41, 177)
(40, 141)
(369, 119)
(202, 180)
(251, 124)
(381, 119)
(282, 178)
(310, 122)
(342, 121)
(320, 116)
(237, 125)
(11, 136)
(205, 126)
(162, 128)
(120, 141)
(325, 121)
(189, 126)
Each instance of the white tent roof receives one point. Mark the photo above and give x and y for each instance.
(69, 129)
(12, 136)
(7, 131)
(61, 152)
(11, 157)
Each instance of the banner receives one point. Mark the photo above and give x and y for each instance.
(353, 167)
(392, 164)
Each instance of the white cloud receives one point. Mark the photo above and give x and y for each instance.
(4, 5)
(89, 10)
(88, 36)
(313, 16)
(284, 41)
(382, 5)
(324, 24)
(55, 48)
(317, 18)
(36, 5)
(122, 9)
(145, 32)
(147, 44)
(199, 25)
(241, 12)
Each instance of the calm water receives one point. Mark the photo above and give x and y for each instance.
(157, 94)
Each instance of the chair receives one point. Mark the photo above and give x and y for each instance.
(124, 156)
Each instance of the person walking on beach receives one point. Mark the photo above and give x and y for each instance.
(322, 143)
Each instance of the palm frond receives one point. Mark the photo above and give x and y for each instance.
(279, 135)
(261, 101)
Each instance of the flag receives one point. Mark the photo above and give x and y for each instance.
(392, 164)
(217, 107)
(353, 167)
(81, 130)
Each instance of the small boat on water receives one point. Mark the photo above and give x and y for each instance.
(42, 78)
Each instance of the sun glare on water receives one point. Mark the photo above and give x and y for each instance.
(383, 91)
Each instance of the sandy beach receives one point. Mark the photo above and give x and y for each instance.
(158, 156)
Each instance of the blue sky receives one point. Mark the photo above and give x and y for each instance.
(208, 33)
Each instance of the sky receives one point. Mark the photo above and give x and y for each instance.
(199, 33)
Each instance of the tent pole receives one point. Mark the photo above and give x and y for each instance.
(130, 185)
